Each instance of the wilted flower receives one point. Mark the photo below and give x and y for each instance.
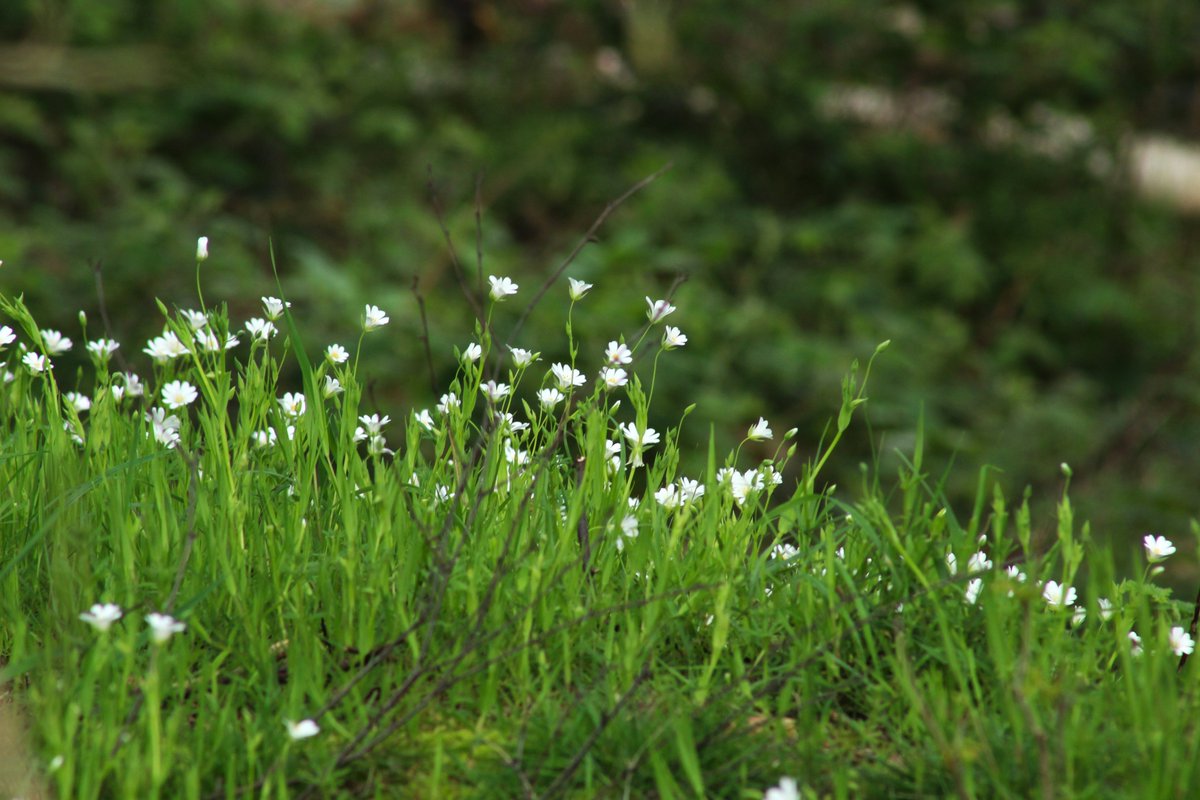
(293, 404)
(35, 361)
(658, 309)
(178, 394)
(617, 353)
(578, 288)
(273, 307)
(56, 343)
(495, 391)
(302, 729)
(163, 626)
(522, 358)
(672, 338)
(7, 336)
(759, 431)
(332, 386)
(1181, 641)
(472, 353)
(1157, 548)
(567, 376)
(374, 318)
(549, 398)
(202, 248)
(501, 287)
(1058, 596)
(101, 348)
(448, 401)
(613, 378)
(261, 329)
(336, 354)
(101, 616)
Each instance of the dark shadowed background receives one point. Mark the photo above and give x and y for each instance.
(1006, 190)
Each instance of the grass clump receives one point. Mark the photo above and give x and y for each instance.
(218, 585)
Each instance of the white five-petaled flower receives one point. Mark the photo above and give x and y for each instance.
(56, 343)
(473, 352)
(163, 626)
(118, 392)
(293, 403)
(273, 307)
(658, 309)
(447, 402)
(668, 496)
(760, 431)
(178, 394)
(133, 385)
(549, 398)
(209, 341)
(374, 318)
(336, 354)
(979, 562)
(495, 391)
(79, 402)
(567, 376)
(302, 729)
(578, 288)
(202, 248)
(332, 386)
(673, 337)
(1157, 548)
(101, 616)
(100, 348)
(786, 790)
(197, 319)
(501, 287)
(522, 358)
(743, 484)
(7, 336)
(638, 440)
(165, 347)
(374, 423)
(1181, 641)
(425, 419)
(35, 361)
(164, 427)
(617, 353)
(613, 378)
(1058, 596)
(261, 329)
(265, 438)
(974, 587)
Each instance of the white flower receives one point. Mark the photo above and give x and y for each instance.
(101, 348)
(567, 376)
(332, 386)
(336, 354)
(638, 439)
(165, 347)
(508, 422)
(425, 419)
(442, 493)
(374, 423)
(101, 616)
(7, 336)
(1181, 641)
(759, 431)
(629, 526)
(293, 404)
(472, 353)
(178, 394)
(260, 328)
(302, 729)
(133, 385)
(658, 309)
(378, 445)
(197, 319)
(741, 484)
(1058, 596)
(673, 338)
(979, 562)
(786, 790)
(1014, 572)
(265, 438)
(1135, 644)
(501, 287)
(209, 341)
(56, 343)
(613, 378)
(974, 587)
(35, 361)
(163, 626)
(374, 318)
(578, 288)
(549, 398)
(690, 490)
(784, 551)
(1106, 608)
(80, 402)
(951, 563)
(617, 353)
(522, 358)
(202, 248)
(1078, 617)
(118, 392)
(1157, 548)
(495, 391)
(164, 428)
(668, 496)
(448, 401)
(274, 307)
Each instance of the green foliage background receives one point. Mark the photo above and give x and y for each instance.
(1038, 314)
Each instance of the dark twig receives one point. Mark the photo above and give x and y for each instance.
(479, 232)
(98, 270)
(440, 215)
(1192, 628)
(433, 385)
